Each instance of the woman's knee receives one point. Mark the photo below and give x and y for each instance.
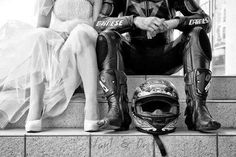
(84, 35)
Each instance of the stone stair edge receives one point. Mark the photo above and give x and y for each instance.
(132, 132)
(79, 97)
(75, 142)
(174, 76)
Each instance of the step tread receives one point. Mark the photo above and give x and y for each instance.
(75, 142)
(222, 87)
(224, 112)
(178, 76)
(132, 132)
(79, 97)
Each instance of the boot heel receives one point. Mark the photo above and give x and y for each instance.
(190, 125)
(123, 127)
(188, 119)
(115, 124)
(125, 124)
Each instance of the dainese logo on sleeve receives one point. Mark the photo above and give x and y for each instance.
(110, 23)
(199, 21)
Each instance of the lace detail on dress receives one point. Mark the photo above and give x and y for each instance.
(73, 9)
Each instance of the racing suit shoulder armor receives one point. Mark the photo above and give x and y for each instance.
(191, 6)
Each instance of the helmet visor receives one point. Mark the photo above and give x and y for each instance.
(157, 107)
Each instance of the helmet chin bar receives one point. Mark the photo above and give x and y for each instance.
(144, 124)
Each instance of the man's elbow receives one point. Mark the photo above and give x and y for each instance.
(208, 25)
(204, 21)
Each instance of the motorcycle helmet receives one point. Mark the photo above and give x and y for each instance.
(155, 107)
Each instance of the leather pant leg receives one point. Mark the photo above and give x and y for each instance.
(113, 80)
(197, 57)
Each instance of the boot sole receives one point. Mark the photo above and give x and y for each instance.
(191, 126)
(120, 127)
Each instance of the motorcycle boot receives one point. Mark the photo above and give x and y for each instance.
(197, 59)
(114, 85)
(197, 114)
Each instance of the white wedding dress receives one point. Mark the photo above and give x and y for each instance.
(45, 52)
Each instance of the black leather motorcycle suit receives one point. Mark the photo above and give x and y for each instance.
(161, 54)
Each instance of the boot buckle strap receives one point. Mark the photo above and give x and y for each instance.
(105, 89)
(200, 79)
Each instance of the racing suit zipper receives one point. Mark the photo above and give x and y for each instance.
(146, 12)
(146, 8)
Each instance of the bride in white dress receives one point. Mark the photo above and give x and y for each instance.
(40, 68)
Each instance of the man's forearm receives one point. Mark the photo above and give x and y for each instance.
(172, 24)
(198, 20)
(120, 24)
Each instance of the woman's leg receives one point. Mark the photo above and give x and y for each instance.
(87, 66)
(36, 98)
(83, 42)
(37, 78)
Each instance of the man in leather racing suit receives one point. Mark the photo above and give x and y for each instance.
(151, 50)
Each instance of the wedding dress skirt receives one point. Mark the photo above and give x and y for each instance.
(26, 51)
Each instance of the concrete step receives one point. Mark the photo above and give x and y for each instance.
(222, 87)
(223, 111)
(76, 143)
(221, 102)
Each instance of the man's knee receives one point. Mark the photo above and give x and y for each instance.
(108, 38)
(199, 36)
(104, 44)
(107, 47)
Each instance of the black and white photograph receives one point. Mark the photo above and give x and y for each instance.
(117, 78)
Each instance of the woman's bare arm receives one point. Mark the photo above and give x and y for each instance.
(96, 9)
(44, 21)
